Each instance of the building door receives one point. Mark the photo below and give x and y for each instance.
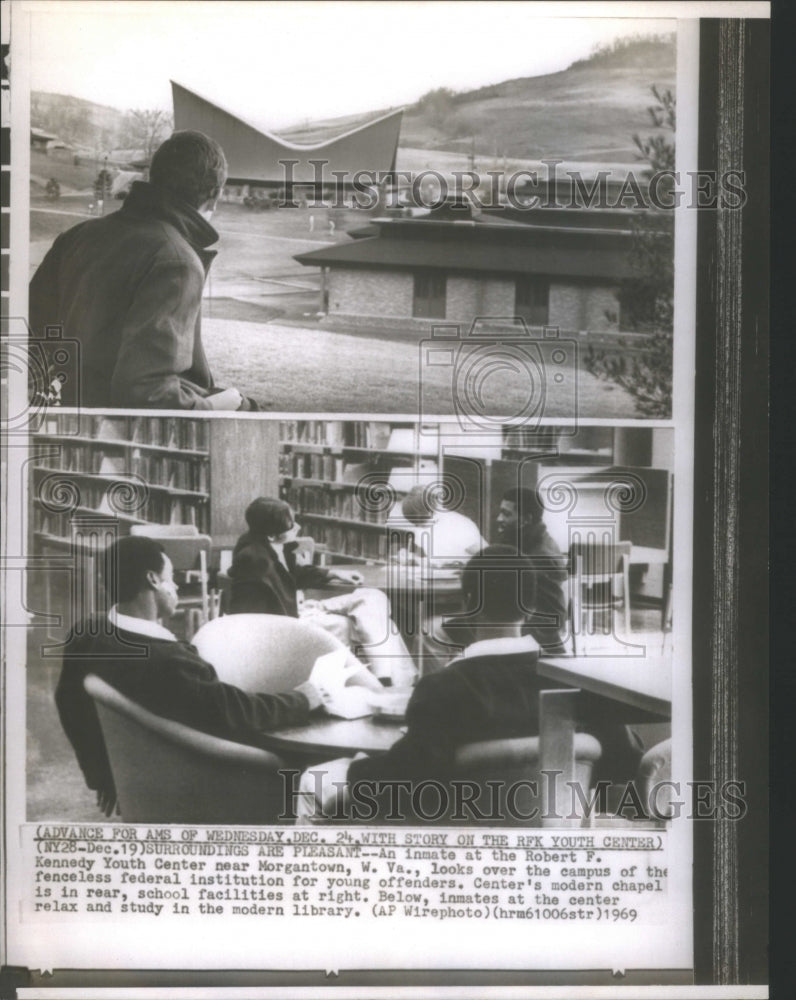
(532, 300)
(429, 296)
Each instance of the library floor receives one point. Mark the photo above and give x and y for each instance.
(56, 789)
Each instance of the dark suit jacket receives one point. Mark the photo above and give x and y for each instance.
(262, 585)
(169, 679)
(128, 288)
(492, 692)
(549, 621)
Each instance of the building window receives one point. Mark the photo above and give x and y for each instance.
(429, 296)
(532, 300)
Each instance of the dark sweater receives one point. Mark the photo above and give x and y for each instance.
(169, 679)
(549, 620)
(493, 695)
(262, 585)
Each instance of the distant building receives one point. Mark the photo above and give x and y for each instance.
(259, 158)
(422, 270)
(43, 141)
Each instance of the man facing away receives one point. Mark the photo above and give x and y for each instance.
(128, 287)
(490, 691)
(444, 536)
(519, 523)
(267, 575)
(142, 659)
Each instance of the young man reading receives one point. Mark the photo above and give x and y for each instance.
(133, 652)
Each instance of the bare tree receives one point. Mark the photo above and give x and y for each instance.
(145, 129)
(648, 295)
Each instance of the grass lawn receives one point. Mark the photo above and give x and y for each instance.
(255, 284)
(289, 368)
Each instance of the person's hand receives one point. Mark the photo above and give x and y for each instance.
(311, 605)
(346, 576)
(332, 670)
(227, 399)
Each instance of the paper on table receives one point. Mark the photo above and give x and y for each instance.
(329, 675)
(349, 703)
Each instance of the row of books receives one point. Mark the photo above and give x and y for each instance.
(60, 523)
(159, 470)
(174, 473)
(352, 505)
(163, 432)
(312, 465)
(374, 434)
(350, 542)
(128, 499)
(72, 458)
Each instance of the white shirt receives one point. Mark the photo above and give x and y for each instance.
(449, 535)
(504, 645)
(141, 626)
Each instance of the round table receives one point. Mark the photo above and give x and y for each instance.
(327, 737)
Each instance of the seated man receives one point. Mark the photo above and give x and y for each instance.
(136, 655)
(519, 523)
(266, 577)
(490, 691)
(443, 535)
(128, 287)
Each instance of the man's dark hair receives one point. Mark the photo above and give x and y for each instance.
(189, 166)
(500, 585)
(268, 516)
(128, 560)
(418, 505)
(526, 503)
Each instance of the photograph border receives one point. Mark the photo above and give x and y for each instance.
(730, 560)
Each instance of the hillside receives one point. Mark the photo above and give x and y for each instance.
(587, 112)
(78, 122)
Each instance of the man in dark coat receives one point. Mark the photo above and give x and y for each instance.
(128, 288)
(134, 653)
(519, 523)
(489, 692)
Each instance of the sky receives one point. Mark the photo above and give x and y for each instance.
(278, 64)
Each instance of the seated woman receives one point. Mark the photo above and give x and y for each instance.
(267, 576)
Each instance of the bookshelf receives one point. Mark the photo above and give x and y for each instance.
(93, 477)
(132, 470)
(342, 477)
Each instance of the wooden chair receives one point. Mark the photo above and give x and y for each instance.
(263, 653)
(189, 552)
(166, 772)
(599, 585)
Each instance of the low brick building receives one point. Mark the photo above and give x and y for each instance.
(419, 271)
